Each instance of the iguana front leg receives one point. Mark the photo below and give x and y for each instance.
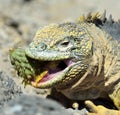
(100, 110)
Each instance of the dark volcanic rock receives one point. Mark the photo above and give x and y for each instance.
(34, 105)
(8, 89)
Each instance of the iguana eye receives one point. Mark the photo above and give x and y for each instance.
(64, 43)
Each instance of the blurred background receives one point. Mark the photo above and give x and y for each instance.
(28, 15)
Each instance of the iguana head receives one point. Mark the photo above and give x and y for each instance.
(66, 49)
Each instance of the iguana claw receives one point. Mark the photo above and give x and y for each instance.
(100, 110)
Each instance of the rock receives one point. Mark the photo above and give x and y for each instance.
(8, 89)
(34, 105)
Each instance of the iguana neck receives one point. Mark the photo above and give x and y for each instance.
(106, 59)
(106, 56)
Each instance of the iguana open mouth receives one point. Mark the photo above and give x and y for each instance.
(41, 74)
(53, 71)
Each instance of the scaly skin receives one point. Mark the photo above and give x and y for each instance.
(91, 57)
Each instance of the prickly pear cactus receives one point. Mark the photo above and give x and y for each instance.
(27, 68)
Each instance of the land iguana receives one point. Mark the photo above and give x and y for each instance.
(80, 59)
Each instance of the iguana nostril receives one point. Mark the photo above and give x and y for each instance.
(41, 47)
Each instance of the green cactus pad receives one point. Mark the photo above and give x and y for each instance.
(26, 67)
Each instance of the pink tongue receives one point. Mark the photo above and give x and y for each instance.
(56, 71)
(49, 76)
(68, 62)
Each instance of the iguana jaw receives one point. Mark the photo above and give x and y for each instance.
(53, 76)
(47, 55)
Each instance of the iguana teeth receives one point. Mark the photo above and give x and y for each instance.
(39, 77)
